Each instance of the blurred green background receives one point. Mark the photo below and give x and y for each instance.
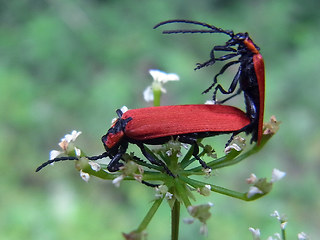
(68, 64)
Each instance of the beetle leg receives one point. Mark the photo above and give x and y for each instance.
(223, 69)
(228, 98)
(193, 142)
(114, 164)
(232, 86)
(150, 184)
(212, 59)
(153, 160)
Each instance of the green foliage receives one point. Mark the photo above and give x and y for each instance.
(68, 65)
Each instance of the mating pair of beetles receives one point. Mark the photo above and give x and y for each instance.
(187, 123)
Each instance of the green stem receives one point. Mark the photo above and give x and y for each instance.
(145, 164)
(149, 177)
(156, 97)
(182, 192)
(186, 160)
(218, 189)
(232, 157)
(175, 220)
(100, 174)
(239, 158)
(283, 233)
(143, 225)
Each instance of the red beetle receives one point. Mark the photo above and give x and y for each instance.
(157, 125)
(250, 74)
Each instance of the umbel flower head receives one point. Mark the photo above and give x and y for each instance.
(173, 176)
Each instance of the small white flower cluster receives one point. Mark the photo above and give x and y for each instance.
(94, 166)
(303, 236)
(238, 144)
(253, 190)
(162, 191)
(205, 191)
(64, 145)
(118, 180)
(277, 236)
(67, 146)
(159, 78)
(202, 213)
(129, 168)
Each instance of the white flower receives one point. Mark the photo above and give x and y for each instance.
(148, 94)
(77, 151)
(117, 180)
(253, 191)
(283, 225)
(277, 175)
(255, 233)
(276, 215)
(252, 179)
(302, 236)
(124, 109)
(208, 187)
(163, 77)
(94, 166)
(161, 191)
(169, 152)
(71, 137)
(85, 176)
(64, 143)
(188, 220)
(168, 195)
(138, 177)
(204, 230)
(159, 78)
(277, 237)
(210, 102)
(54, 153)
(210, 204)
(238, 144)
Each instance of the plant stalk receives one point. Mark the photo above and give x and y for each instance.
(175, 220)
(149, 215)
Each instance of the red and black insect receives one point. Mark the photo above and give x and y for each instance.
(158, 125)
(250, 74)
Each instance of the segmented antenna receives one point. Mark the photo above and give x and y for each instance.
(93, 158)
(213, 28)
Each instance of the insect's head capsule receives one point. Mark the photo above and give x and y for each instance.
(238, 38)
(241, 36)
(112, 138)
(115, 134)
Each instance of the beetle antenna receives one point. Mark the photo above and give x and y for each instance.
(55, 160)
(93, 158)
(119, 113)
(213, 28)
